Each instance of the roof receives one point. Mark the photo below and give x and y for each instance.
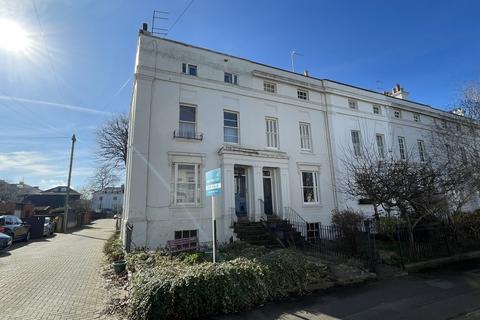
(146, 33)
(59, 190)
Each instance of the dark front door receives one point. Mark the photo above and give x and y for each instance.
(267, 195)
(240, 191)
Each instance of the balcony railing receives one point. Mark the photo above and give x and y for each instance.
(183, 134)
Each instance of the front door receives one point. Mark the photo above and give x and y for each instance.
(267, 192)
(240, 176)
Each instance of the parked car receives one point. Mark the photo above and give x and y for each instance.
(5, 241)
(48, 227)
(14, 227)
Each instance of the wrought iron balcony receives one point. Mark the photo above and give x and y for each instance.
(184, 134)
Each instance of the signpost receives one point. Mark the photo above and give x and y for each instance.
(213, 186)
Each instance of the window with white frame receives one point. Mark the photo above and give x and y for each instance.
(187, 190)
(269, 87)
(402, 148)
(313, 231)
(302, 94)
(187, 121)
(352, 104)
(310, 187)
(190, 235)
(381, 146)
(230, 126)
(272, 132)
(356, 143)
(189, 69)
(305, 136)
(416, 117)
(377, 109)
(230, 78)
(421, 150)
(397, 113)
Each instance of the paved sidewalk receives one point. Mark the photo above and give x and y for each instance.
(450, 293)
(57, 277)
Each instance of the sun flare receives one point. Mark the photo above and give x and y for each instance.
(13, 37)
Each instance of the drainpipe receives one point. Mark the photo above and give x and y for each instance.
(330, 151)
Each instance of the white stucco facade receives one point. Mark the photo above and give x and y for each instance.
(111, 198)
(287, 150)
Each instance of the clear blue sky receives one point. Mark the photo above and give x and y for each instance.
(79, 71)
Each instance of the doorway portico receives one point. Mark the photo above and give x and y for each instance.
(255, 181)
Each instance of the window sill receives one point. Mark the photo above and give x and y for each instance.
(312, 205)
(304, 151)
(185, 206)
(187, 140)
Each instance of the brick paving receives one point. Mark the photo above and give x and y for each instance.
(59, 277)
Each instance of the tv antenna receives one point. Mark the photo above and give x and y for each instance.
(159, 15)
(292, 57)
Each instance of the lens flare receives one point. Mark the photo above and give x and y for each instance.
(13, 37)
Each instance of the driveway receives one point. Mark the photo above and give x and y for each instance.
(452, 293)
(57, 277)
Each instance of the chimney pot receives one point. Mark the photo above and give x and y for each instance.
(145, 26)
(305, 73)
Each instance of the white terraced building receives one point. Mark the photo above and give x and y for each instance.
(279, 138)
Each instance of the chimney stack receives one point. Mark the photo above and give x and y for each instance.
(145, 27)
(398, 92)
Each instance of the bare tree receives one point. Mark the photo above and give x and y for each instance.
(413, 188)
(469, 101)
(85, 202)
(112, 140)
(104, 177)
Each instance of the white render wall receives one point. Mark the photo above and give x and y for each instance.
(160, 88)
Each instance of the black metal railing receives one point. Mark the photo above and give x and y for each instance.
(296, 221)
(128, 237)
(430, 241)
(187, 134)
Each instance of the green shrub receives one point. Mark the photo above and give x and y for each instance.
(173, 289)
(348, 224)
(192, 258)
(242, 249)
(113, 248)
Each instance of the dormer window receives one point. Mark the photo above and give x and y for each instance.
(230, 78)
(189, 69)
(302, 94)
(416, 117)
(269, 87)
(352, 104)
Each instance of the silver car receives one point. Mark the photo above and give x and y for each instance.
(48, 227)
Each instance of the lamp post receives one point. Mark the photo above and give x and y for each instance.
(68, 184)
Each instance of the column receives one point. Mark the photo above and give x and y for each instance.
(284, 190)
(257, 192)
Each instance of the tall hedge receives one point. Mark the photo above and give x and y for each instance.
(175, 290)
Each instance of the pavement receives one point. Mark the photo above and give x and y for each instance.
(450, 293)
(58, 277)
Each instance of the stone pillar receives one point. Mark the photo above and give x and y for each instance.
(284, 190)
(257, 192)
(228, 190)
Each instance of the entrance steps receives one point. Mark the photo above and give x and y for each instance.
(272, 233)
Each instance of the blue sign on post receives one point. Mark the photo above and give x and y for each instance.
(213, 180)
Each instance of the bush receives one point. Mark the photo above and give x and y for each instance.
(348, 224)
(238, 249)
(113, 248)
(173, 289)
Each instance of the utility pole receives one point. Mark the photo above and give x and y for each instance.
(68, 185)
